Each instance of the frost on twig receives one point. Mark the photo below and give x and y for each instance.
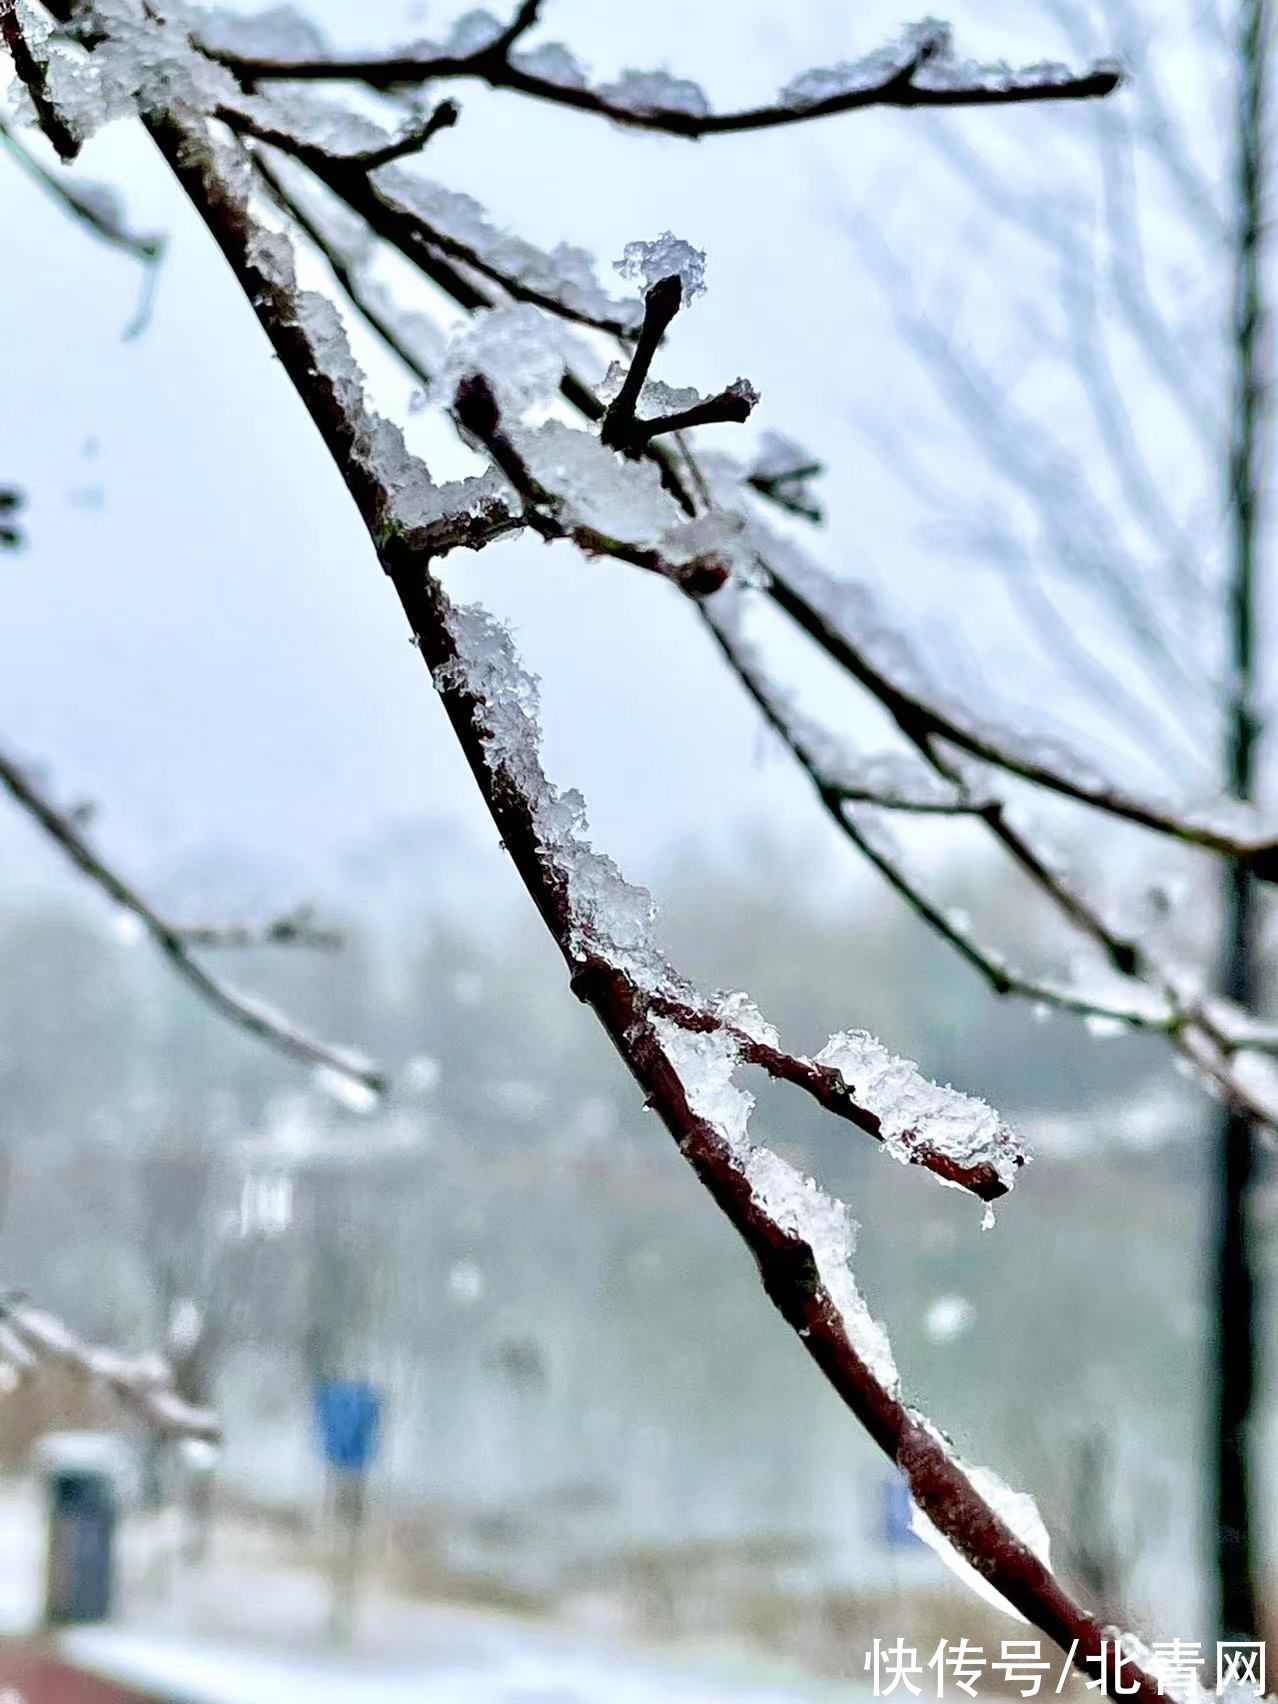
(30, 1339)
(918, 69)
(35, 64)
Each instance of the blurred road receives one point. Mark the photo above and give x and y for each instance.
(29, 1675)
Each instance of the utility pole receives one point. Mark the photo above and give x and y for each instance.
(1235, 1289)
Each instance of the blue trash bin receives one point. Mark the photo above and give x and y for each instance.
(82, 1513)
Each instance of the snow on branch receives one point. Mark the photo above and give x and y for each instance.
(817, 604)
(954, 1136)
(177, 944)
(802, 1240)
(422, 219)
(918, 69)
(32, 66)
(551, 514)
(1216, 1040)
(835, 621)
(31, 1339)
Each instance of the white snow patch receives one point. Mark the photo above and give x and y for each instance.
(913, 1111)
(667, 256)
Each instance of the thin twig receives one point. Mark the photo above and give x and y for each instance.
(476, 411)
(94, 208)
(296, 928)
(904, 86)
(175, 944)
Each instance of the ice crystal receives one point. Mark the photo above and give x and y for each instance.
(667, 256)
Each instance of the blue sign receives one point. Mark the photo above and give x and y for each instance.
(898, 1506)
(348, 1414)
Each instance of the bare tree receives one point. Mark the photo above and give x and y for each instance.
(1176, 571)
(264, 169)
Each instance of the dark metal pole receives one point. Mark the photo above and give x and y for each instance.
(1235, 1292)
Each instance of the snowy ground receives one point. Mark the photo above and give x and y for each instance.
(494, 1662)
(249, 1628)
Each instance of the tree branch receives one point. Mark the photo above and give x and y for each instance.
(464, 653)
(31, 1338)
(918, 71)
(34, 77)
(94, 208)
(175, 944)
(924, 721)
(476, 411)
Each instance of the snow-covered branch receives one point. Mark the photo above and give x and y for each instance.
(177, 944)
(856, 1078)
(926, 719)
(550, 515)
(918, 69)
(428, 223)
(30, 1339)
(32, 69)
(801, 1239)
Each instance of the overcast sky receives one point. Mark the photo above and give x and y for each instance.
(197, 635)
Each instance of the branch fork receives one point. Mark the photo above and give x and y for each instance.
(621, 428)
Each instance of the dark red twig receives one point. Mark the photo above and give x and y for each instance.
(828, 1088)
